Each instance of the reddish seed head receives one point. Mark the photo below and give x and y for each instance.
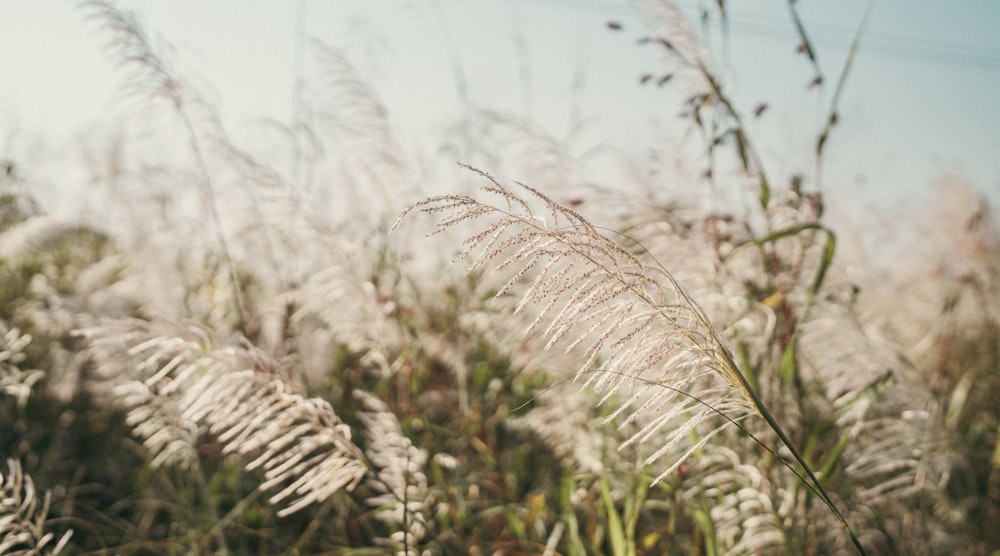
(759, 109)
(645, 78)
(816, 82)
(614, 26)
(663, 80)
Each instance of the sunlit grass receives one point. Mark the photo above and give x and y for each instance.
(245, 361)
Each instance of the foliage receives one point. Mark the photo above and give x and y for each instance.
(238, 366)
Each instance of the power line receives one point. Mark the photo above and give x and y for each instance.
(896, 44)
(878, 41)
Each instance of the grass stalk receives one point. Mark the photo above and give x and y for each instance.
(643, 319)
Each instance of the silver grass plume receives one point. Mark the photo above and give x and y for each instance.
(567, 425)
(899, 460)
(341, 304)
(645, 334)
(404, 501)
(666, 19)
(749, 509)
(23, 515)
(177, 388)
(359, 125)
(14, 381)
(150, 76)
(645, 340)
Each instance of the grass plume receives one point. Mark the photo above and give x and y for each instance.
(644, 339)
(180, 393)
(23, 515)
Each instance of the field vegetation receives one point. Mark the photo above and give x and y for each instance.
(253, 349)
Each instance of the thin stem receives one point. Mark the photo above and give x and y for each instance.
(214, 214)
(773, 423)
(744, 386)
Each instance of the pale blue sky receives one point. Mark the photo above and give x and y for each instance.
(921, 99)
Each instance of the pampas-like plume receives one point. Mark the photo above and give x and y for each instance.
(22, 519)
(404, 500)
(740, 489)
(646, 335)
(151, 76)
(15, 381)
(177, 389)
(644, 338)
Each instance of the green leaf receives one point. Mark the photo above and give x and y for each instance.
(707, 527)
(635, 499)
(855, 45)
(575, 546)
(616, 531)
(789, 362)
(807, 46)
(870, 391)
(829, 249)
(516, 523)
(765, 190)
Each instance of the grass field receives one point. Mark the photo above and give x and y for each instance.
(239, 349)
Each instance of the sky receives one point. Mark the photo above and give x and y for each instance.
(920, 101)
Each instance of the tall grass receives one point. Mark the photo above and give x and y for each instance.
(240, 365)
(655, 346)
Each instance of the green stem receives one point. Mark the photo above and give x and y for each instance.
(773, 423)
